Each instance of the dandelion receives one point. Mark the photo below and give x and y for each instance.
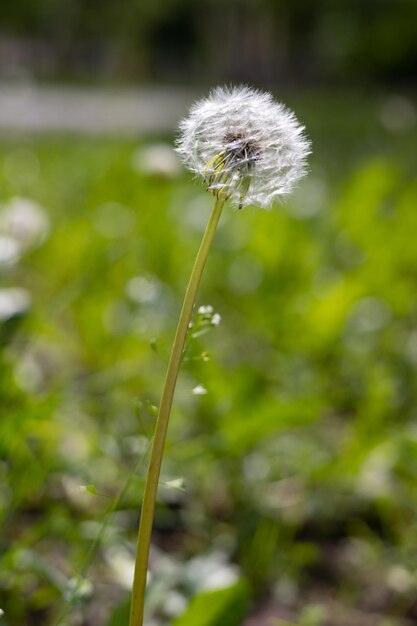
(246, 147)
(249, 150)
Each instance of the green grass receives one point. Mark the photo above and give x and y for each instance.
(300, 461)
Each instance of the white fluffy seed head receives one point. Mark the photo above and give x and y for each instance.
(246, 147)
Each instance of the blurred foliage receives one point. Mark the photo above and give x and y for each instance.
(223, 606)
(298, 463)
(257, 40)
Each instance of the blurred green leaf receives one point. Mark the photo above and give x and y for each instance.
(120, 614)
(90, 489)
(313, 615)
(152, 409)
(224, 606)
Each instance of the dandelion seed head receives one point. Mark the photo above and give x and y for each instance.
(247, 148)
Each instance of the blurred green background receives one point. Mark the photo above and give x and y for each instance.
(288, 492)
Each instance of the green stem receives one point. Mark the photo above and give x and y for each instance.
(154, 469)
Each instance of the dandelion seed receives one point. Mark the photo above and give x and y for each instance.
(246, 147)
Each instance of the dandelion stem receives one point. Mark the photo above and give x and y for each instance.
(152, 480)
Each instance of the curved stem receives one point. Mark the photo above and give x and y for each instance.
(154, 469)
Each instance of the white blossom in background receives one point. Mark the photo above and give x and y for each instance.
(216, 319)
(157, 159)
(175, 603)
(142, 289)
(14, 301)
(199, 390)
(9, 250)
(25, 221)
(211, 571)
(247, 148)
(122, 565)
(205, 309)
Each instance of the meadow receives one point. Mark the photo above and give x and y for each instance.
(289, 481)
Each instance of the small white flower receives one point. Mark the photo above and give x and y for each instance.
(199, 390)
(245, 146)
(216, 319)
(205, 309)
